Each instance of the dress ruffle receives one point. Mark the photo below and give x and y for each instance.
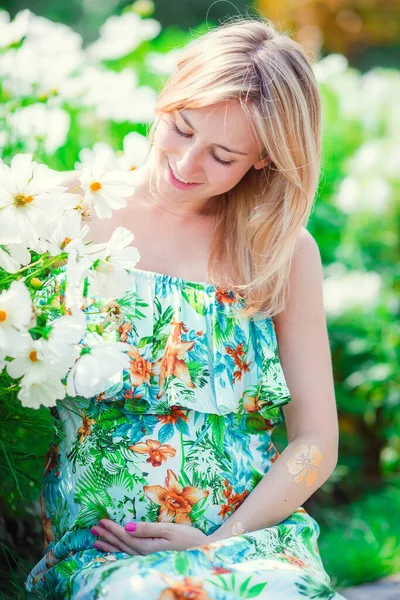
(189, 348)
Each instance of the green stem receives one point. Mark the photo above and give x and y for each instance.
(184, 476)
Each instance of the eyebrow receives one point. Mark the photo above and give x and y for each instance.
(218, 145)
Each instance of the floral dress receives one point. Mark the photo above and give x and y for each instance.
(183, 436)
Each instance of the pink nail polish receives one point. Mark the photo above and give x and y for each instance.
(94, 531)
(130, 527)
(98, 546)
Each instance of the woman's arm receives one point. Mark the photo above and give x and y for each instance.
(311, 417)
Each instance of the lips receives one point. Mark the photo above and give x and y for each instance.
(176, 182)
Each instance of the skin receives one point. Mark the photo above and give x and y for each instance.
(177, 245)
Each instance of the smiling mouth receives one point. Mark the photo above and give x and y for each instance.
(192, 183)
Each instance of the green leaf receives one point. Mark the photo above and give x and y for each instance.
(256, 590)
(244, 585)
(182, 563)
(218, 429)
(145, 340)
(194, 295)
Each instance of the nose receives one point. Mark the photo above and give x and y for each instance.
(188, 165)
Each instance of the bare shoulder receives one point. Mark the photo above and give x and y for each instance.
(304, 297)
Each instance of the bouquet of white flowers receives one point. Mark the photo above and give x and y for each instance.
(46, 348)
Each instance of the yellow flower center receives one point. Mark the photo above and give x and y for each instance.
(21, 200)
(95, 186)
(33, 356)
(133, 168)
(3, 315)
(103, 266)
(65, 242)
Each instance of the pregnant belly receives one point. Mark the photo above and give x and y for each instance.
(197, 476)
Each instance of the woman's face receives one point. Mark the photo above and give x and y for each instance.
(212, 147)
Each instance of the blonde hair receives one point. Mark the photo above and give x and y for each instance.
(259, 219)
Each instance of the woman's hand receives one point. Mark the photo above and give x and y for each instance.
(146, 537)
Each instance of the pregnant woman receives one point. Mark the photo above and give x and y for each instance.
(168, 485)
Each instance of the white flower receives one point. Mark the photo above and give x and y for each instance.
(163, 63)
(14, 256)
(110, 93)
(13, 31)
(45, 393)
(105, 191)
(109, 277)
(120, 35)
(15, 316)
(60, 234)
(42, 66)
(66, 331)
(345, 290)
(136, 148)
(87, 157)
(40, 125)
(89, 374)
(30, 194)
(35, 361)
(2, 361)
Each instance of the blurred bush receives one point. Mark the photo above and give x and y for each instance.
(60, 100)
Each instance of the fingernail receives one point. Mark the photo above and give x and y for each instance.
(130, 527)
(94, 531)
(98, 546)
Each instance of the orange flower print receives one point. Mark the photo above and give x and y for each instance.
(131, 395)
(303, 463)
(252, 403)
(191, 588)
(233, 500)
(175, 501)
(123, 331)
(157, 452)
(172, 362)
(293, 559)
(86, 428)
(225, 296)
(241, 366)
(139, 367)
(175, 414)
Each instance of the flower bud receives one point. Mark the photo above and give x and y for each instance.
(36, 282)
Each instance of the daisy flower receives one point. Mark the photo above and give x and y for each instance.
(136, 148)
(105, 191)
(15, 316)
(109, 278)
(29, 194)
(89, 374)
(45, 393)
(35, 362)
(120, 35)
(65, 332)
(14, 255)
(60, 233)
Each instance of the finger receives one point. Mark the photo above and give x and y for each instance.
(123, 545)
(106, 547)
(148, 529)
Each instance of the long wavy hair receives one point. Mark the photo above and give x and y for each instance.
(257, 221)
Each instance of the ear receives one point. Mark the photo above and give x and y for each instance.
(260, 164)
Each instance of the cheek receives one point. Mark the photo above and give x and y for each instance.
(165, 138)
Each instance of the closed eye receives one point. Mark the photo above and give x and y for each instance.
(226, 163)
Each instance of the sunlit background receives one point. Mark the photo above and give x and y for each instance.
(76, 74)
